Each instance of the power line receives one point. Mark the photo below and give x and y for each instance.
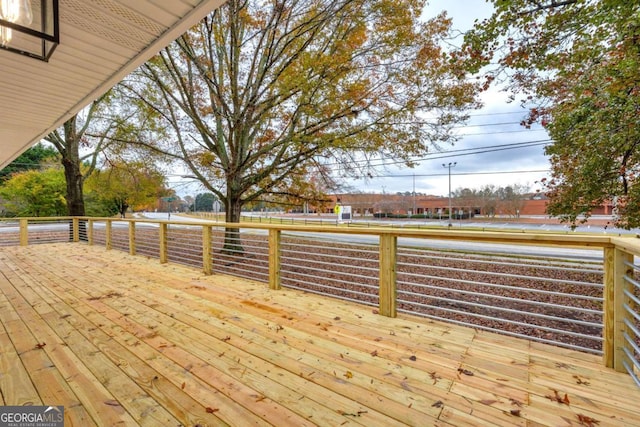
(502, 131)
(460, 152)
(496, 114)
(457, 174)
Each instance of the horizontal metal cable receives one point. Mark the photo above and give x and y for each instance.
(331, 264)
(337, 280)
(342, 297)
(633, 368)
(242, 272)
(504, 332)
(633, 328)
(333, 256)
(516, 288)
(510, 275)
(499, 297)
(632, 312)
(632, 265)
(560, 265)
(357, 248)
(503, 309)
(632, 297)
(512, 322)
(632, 281)
(635, 346)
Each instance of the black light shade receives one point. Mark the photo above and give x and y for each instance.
(29, 27)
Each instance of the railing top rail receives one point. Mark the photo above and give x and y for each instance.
(506, 237)
(631, 243)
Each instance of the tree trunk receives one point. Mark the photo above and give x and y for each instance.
(232, 243)
(75, 195)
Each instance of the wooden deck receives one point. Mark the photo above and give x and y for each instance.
(121, 340)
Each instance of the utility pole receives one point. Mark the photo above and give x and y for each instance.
(414, 195)
(449, 166)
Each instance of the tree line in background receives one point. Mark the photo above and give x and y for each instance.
(577, 65)
(269, 101)
(35, 185)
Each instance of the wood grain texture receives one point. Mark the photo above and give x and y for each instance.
(126, 340)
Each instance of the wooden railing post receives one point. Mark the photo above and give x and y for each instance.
(24, 232)
(132, 237)
(107, 230)
(207, 255)
(621, 258)
(388, 285)
(90, 232)
(274, 258)
(163, 243)
(616, 263)
(76, 229)
(608, 331)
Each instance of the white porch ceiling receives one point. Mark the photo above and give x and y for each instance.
(101, 41)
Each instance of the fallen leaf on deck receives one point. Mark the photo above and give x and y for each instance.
(413, 358)
(515, 412)
(580, 381)
(561, 365)
(349, 414)
(374, 353)
(438, 404)
(465, 371)
(488, 402)
(558, 398)
(184, 385)
(587, 421)
(515, 402)
(435, 377)
(40, 346)
(348, 374)
(211, 410)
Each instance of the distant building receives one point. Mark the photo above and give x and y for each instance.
(369, 204)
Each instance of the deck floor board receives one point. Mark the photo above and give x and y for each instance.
(122, 340)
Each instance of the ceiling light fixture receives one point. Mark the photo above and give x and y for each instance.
(29, 27)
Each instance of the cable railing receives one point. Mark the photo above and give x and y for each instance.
(340, 269)
(626, 311)
(554, 303)
(588, 302)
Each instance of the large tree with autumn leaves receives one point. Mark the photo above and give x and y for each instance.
(578, 64)
(271, 96)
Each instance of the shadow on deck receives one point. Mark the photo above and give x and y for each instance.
(125, 340)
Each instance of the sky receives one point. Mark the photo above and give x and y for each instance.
(497, 123)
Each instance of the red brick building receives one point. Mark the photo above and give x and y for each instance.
(370, 204)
